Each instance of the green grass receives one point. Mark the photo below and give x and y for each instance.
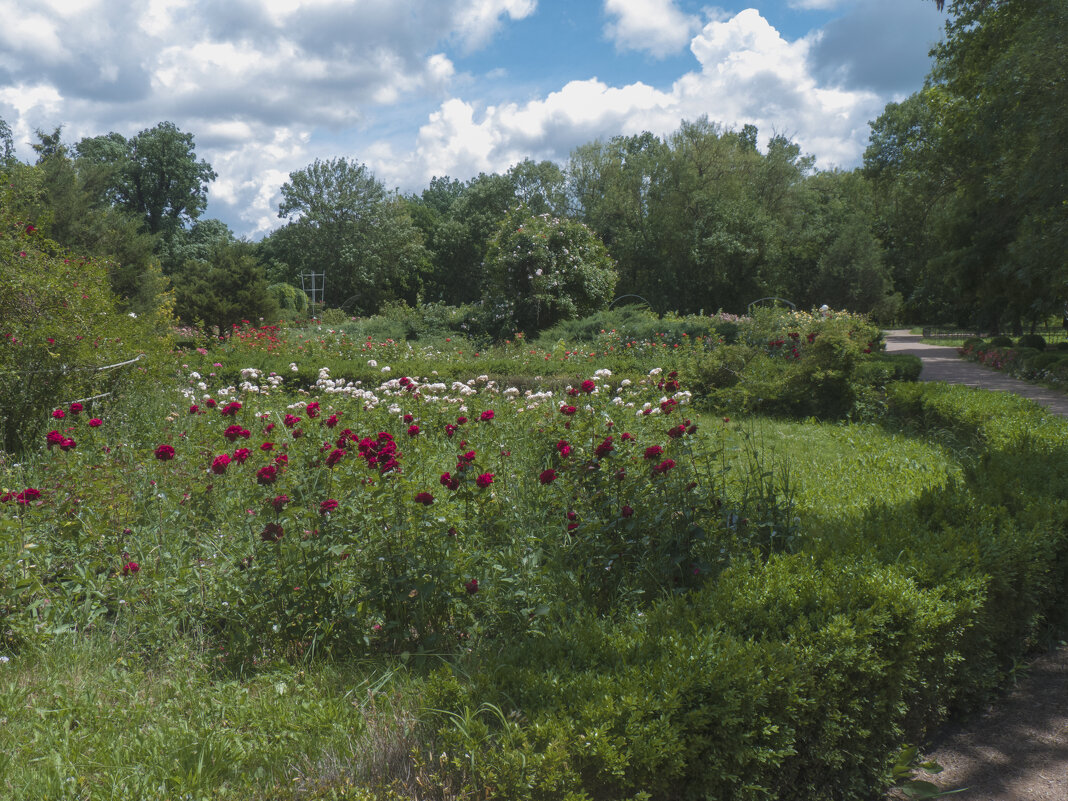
(83, 718)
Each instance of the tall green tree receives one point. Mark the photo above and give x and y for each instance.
(344, 224)
(155, 175)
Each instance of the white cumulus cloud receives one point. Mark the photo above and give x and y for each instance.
(655, 26)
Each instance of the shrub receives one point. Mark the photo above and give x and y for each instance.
(1001, 342)
(1036, 341)
(292, 302)
(60, 323)
(542, 269)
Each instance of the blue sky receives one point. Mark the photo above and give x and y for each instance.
(417, 88)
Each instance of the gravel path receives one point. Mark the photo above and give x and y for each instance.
(1018, 749)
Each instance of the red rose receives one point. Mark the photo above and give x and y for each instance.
(449, 481)
(230, 409)
(563, 447)
(413, 430)
(627, 511)
(424, 498)
(486, 416)
(130, 567)
(331, 421)
(54, 438)
(59, 414)
(567, 410)
(334, 457)
(484, 480)
(76, 408)
(408, 418)
(164, 453)
(68, 444)
(241, 454)
(327, 506)
(28, 495)
(588, 386)
(653, 452)
(272, 532)
(290, 420)
(547, 476)
(279, 502)
(312, 409)
(605, 448)
(267, 475)
(220, 463)
(267, 446)
(461, 420)
(664, 466)
(471, 586)
(96, 422)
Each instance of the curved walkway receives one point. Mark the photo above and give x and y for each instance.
(1018, 749)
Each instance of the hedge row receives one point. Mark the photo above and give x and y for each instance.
(801, 675)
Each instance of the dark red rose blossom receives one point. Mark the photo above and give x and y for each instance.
(95, 422)
(335, 456)
(664, 466)
(54, 438)
(449, 481)
(567, 410)
(484, 480)
(267, 475)
(667, 405)
(471, 586)
(279, 502)
(547, 476)
(409, 418)
(677, 431)
(486, 416)
(130, 568)
(605, 448)
(194, 409)
(290, 420)
(331, 421)
(327, 506)
(312, 409)
(76, 408)
(563, 448)
(588, 386)
(627, 511)
(28, 495)
(461, 420)
(572, 526)
(164, 453)
(424, 498)
(653, 452)
(210, 403)
(68, 444)
(267, 446)
(281, 459)
(220, 463)
(241, 454)
(572, 514)
(413, 430)
(450, 429)
(626, 437)
(235, 431)
(59, 414)
(230, 409)
(272, 532)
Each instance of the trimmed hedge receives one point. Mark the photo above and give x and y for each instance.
(799, 676)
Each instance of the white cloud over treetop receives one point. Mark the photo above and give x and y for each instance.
(655, 26)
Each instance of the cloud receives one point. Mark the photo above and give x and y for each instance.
(655, 26)
(748, 74)
(878, 45)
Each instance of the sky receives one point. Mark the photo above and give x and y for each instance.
(422, 88)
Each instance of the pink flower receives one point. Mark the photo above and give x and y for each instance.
(68, 444)
(95, 422)
(279, 502)
(220, 463)
(59, 414)
(563, 448)
(486, 416)
(484, 480)
(164, 453)
(471, 586)
(547, 476)
(664, 466)
(130, 567)
(424, 498)
(327, 506)
(28, 495)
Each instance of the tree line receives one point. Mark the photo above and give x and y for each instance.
(956, 215)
